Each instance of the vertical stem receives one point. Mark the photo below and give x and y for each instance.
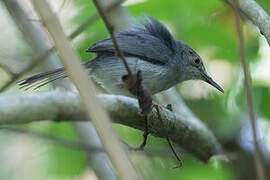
(257, 154)
(86, 88)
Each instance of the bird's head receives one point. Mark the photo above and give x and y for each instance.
(191, 66)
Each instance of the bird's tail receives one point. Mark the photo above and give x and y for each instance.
(42, 79)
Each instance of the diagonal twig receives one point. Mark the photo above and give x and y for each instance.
(86, 89)
(240, 41)
(135, 85)
(133, 81)
(110, 29)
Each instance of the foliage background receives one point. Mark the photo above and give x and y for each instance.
(208, 27)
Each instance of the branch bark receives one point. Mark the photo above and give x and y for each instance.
(257, 15)
(191, 134)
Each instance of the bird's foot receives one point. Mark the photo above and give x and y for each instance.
(146, 131)
(157, 106)
(170, 108)
(143, 144)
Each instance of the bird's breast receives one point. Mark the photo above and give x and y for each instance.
(108, 72)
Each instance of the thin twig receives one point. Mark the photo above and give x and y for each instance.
(110, 29)
(134, 82)
(86, 88)
(38, 60)
(257, 154)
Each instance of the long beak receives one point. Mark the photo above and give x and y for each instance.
(209, 80)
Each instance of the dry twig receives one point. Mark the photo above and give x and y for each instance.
(240, 41)
(110, 29)
(133, 81)
(86, 89)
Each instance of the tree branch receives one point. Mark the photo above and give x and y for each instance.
(191, 134)
(257, 15)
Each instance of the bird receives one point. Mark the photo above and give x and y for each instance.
(149, 48)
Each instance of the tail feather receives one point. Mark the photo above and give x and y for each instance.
(39, 80)
(42, 79)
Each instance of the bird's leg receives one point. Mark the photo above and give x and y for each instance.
(135, 86)
(145, 135)
(146, 103)
(146, 131)
(169, 107)
(143, 144)
(175, 153)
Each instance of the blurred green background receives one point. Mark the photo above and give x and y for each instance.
(208, 27)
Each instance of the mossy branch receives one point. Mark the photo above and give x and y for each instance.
(191, 134)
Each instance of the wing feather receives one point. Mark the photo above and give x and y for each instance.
(152, 42)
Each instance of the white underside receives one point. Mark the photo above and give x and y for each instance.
(108, 72)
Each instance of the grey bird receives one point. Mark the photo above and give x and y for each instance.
(150, 48)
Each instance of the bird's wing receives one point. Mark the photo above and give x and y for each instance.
(152, 42)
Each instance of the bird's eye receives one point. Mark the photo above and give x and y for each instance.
(197, 62)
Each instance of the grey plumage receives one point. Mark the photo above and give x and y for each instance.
(163, 60)
(149, 42)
